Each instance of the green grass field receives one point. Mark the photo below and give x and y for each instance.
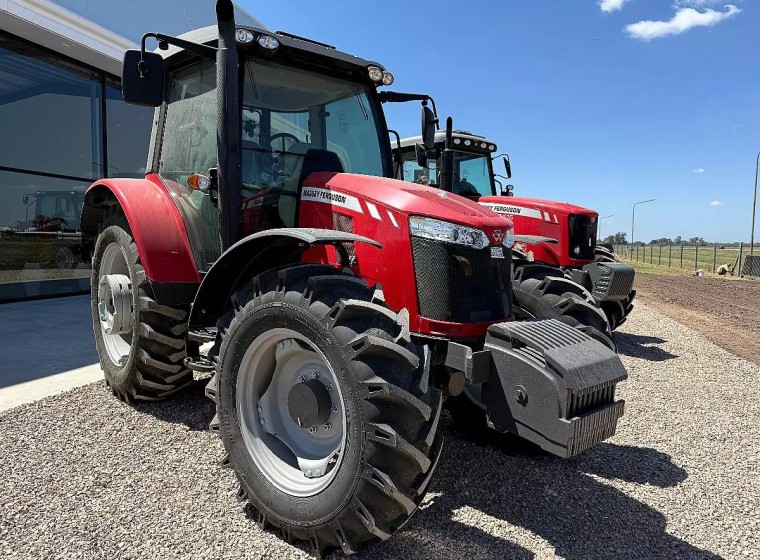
(694, 258)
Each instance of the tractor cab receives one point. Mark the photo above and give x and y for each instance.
(473, 174)
(305, 107)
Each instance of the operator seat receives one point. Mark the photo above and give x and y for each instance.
(291, 172)
(251, 161)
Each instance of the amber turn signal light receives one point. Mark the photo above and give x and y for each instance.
(198, 182)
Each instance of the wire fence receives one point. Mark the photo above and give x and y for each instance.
(708, 257)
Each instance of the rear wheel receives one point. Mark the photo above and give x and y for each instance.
(140, 343)
(616, 311)
(323, 407)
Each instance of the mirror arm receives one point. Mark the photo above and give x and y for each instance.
(396, 97)
(201, 50)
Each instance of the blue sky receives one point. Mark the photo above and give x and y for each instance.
(592, 111)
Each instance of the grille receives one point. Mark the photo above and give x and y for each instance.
(459, 284)
(612, 281)
(583, 235)
(346, 255)
(590, 399)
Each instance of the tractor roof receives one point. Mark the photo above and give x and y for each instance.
(298, 47)
(440, 137)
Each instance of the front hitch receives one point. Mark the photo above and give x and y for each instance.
(546, 382)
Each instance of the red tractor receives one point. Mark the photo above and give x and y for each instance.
(341, 306)
(557, 240)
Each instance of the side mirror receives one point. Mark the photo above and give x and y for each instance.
(508, 167)
(26, 198)
(143, 78)
(428, 127)
(421, 153)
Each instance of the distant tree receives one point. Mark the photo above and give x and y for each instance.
(620, 238)
(697, 241)
(678, 240)
(661, 241)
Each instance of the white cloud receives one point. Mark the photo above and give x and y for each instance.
(716, 203)
(612, 5)
(683, 20)
(696, 3)
(698, 170)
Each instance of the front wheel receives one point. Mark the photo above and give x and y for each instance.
(324, 408)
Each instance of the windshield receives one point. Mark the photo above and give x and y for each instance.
(472, 173)
(296, 122)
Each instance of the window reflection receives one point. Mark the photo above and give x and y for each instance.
(51, 150)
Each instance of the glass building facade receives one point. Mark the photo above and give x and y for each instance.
(63, 125)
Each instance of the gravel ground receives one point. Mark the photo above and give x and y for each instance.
(85, 476)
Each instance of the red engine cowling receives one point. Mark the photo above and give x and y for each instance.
(380, 209)
(574, 227)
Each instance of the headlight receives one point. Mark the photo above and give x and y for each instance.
(577, 250)
(447, 232)
(243, 36)
(268, 42)
(375, 74)
(509, 239)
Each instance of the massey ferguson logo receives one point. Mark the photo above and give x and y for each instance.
(498, 235)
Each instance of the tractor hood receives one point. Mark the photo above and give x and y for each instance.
(531, 207)
(408, 199)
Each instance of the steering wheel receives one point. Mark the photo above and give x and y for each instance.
(284, 136)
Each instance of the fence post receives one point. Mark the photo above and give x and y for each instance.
(715, 257)
(681, 256)
(741, 252)
(670, 254)
(696, 256)
(659, 259)
(637, 253)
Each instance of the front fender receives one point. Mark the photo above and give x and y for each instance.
(253, 255)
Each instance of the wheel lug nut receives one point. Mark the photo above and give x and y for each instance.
(315, 374)
(261, 419)
(329, 387)
(328, 427)
(301, 379)
(335, 408)
(313, 430)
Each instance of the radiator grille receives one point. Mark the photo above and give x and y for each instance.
(590, 399)
(459, 284)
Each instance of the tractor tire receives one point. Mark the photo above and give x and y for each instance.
(539, 291)
(616, 311)
(353, 465)
(542, 291)
(143, 360)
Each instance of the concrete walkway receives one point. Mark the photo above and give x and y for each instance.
(47, 348)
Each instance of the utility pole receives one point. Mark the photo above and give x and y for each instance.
(599, 229)
(754, 206)
(633, 217)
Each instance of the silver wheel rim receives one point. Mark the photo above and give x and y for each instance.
(115, 304)
(297, 460)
